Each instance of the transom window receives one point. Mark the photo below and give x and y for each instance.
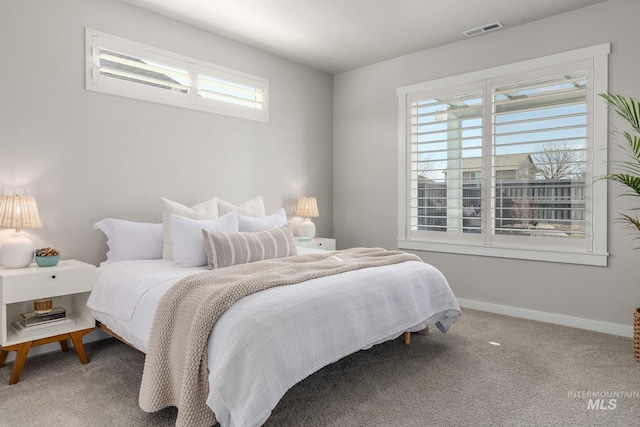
(502, 162)
(122, 67)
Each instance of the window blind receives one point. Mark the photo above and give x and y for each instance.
(122, 67)
(142, 71)
(446, 162)
(539, 163)
(218, 86)
(505, 159)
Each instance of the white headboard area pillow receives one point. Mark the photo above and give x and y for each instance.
(249, 223)
(253, 207)
(129, 240)
(204, 210)
(180, 236)
(187, 240)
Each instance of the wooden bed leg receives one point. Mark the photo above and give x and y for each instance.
(407, 337)
(425, 331)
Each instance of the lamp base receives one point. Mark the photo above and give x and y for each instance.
(16, 251)
(307, 229)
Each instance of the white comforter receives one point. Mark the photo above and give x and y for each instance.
(269, 341)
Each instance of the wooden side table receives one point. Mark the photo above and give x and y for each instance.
(69, 284)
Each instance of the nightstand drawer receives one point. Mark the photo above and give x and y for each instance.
(44, 282)
(318, 243)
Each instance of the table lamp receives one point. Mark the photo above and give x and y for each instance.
(307, 208)
(18, 212)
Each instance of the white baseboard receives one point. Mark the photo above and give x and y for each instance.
(558, 319)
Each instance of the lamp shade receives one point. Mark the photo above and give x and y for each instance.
(307, 207)
(18, 212)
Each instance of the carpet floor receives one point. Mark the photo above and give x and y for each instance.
(488, 370)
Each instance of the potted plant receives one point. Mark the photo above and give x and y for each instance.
(628, 174)
(47, 257)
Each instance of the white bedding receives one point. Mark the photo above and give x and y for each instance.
(267, 342)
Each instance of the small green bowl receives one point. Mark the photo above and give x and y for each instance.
(47, 261)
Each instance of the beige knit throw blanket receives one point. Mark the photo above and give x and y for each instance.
(175, 370)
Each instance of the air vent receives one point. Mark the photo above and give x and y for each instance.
(483, 29)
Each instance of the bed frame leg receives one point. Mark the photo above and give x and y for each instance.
(407, 337)
(425, 331)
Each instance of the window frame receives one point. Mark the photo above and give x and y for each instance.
(95, 40)
(597, 57)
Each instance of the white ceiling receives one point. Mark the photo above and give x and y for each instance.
(339, 35)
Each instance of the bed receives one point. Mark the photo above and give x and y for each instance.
(268, 341)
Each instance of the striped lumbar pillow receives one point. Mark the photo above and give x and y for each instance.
(225, 249)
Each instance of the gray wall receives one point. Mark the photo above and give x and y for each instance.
(366, 172)
(86, 155)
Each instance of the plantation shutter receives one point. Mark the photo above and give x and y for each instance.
(231, 90)
(505, 161)
(139, 70)
(445, 159)
(539, 163)
(122, 67)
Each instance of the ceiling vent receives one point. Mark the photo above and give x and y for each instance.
(483, 29)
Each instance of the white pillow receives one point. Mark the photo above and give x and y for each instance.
(253, 207)
(128, 240)
(204, 210)
(276, 219)
(187, 240)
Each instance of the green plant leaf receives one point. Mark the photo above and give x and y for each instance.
(627, 108)
(628, 172)
(631, 221)
(631, 182)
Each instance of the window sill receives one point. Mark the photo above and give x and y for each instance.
(583, 258)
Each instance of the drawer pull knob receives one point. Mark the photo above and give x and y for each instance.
(53, 277)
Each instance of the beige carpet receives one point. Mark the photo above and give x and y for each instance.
(539, 375)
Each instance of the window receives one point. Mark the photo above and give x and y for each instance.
(502, 162)
(126, 68)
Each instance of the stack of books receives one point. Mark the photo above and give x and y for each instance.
(33, 323)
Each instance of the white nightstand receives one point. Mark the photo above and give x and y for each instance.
(69, 284)
(318, 243)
